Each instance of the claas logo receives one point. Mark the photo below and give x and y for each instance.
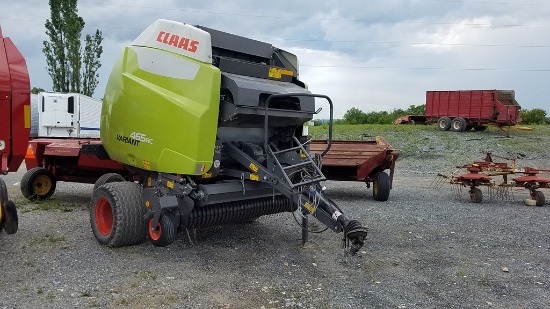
(177, 41)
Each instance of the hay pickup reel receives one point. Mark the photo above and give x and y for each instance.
(481, 173)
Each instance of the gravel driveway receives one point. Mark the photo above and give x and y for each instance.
(426, 248)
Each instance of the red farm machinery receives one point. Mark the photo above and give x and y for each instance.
(14, 122)
(464, 110)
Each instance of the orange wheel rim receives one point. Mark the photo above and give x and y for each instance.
(104, 217)
(155, 235)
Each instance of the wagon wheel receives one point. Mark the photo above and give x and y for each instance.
(38, 183)
(538, 196)
(444, 123)
(458, 124)
(480, 128)
(476, 196)
(381, 187)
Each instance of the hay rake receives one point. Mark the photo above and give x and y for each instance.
(481, 173)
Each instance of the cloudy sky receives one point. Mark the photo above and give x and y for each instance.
(374, 55)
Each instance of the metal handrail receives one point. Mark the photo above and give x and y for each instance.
(299, 95)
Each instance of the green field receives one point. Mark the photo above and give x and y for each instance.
(425, 143)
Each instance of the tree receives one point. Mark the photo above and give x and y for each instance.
(70, 69)
(36, 90)
(355, 116)
(533, 116)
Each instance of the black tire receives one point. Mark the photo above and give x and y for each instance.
(3, 199)
(3, 191)
(476, 196)
(165, 234)
(117, 214)
(480, 128)
(444, 123)
(9, 217)
(538, 196)
(107, 178)
(38, 184)
(458, 124)
(381, 187)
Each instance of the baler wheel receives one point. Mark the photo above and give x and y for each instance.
(444, 123)
(38, 183)
(106, 178)
(381, 187)
(476, 196)
(538, 196)
(165, 233)
(117, 214)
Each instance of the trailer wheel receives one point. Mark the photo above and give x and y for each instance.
(38, 183)
(444, 123)
(459, 124)
(480, 128)
(538, 196)
(117, 214)
(9, 218)
(381, 187)
(165, 233)
(107, 178)
(476, 196)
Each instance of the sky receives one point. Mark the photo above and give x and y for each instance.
(376, 55)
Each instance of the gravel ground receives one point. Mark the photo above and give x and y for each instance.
(426, 248)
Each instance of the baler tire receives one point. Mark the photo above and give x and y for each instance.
(38, 184)
(444, 123)
(165, 233)
(476, 196)
(107, 178)
(9, 217)
(538, 196)
(381, 187)
(458, 124)
(117, 214)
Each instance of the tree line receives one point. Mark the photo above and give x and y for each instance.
(357, 116)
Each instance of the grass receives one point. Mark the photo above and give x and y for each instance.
(46, 240)
(426, 141)
(44, 205)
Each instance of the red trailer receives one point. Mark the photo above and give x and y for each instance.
(15, 91)
(49, 160)
(466, 109)
(364, 161)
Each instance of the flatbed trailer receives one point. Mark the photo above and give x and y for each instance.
(364, 161)
(49, 160)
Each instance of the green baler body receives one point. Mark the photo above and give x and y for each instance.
(158, 122)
